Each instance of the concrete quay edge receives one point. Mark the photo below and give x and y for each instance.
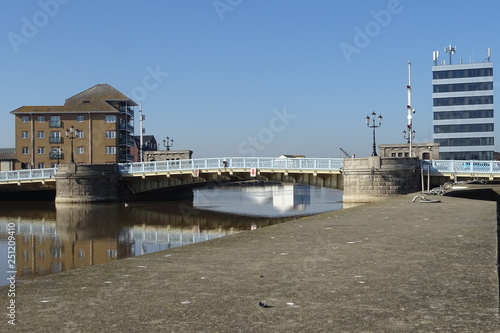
(388, 266)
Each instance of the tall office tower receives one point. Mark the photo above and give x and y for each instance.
(463, 108)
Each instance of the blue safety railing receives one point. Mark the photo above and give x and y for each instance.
(261, 163)
(453, 166)
(234, 163)
(27, 174)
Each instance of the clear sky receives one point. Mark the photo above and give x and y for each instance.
(244, 77)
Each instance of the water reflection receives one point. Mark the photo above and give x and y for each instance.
(53, 238)
(275, 200)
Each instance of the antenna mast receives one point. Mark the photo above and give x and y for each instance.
(450, 49)
(409, 127)
(435, 57)
(141, 131)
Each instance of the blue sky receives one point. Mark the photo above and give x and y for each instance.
(243, 77)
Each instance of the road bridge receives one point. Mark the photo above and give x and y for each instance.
(358, 177)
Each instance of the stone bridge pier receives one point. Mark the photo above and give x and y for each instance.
(87, 183)
(376, 178)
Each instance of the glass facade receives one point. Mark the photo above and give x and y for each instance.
(463, 111)
(487, 141)
(463, 114)
(466, 155)
(462, 73)
(441, 88)
(463, 128)
(463, 100)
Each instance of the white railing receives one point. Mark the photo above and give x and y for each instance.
(235, 163)
(451, 166)
(27, 174)
(262, 163)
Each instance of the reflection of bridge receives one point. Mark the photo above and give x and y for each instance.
(41, 248)
(126, 181)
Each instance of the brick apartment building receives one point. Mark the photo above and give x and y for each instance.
(95, 127)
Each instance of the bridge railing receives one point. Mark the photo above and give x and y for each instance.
(235, 163)
(27, 174)
(434, 166)
(461, 166)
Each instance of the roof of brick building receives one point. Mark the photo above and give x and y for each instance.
(100, 97)
(7, 154)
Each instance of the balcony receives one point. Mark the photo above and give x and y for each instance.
(127, 127)
(56, 156)
(56, 124)
(129, 110)
(125, 158)
(55, 139)
(128, 142)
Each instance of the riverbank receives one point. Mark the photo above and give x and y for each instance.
(391, 266)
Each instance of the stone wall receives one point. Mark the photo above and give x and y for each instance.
(376, 178)
(87, 183)
(166, 155)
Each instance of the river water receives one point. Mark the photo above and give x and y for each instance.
(49, 238)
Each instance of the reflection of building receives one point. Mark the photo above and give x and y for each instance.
(48, 247)
(102, 116)
(258, 194)
(40, 251)
(291, 197)
(463, 109)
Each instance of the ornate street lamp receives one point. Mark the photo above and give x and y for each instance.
(373, 126)
(410, 135)
(71, 134)
(168, 143)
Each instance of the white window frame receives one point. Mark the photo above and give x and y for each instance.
(80, 150)
(79, 134)
(41, 134)
(110, 134)
(55, 134)
(41, 150)
(25, 134)
(110, 150)
(110, 118)
(41, 119)
(80, 119)
(25, 150)
(25, 119)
